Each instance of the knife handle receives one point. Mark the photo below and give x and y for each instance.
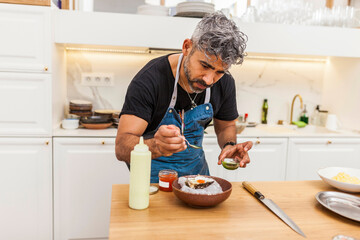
(250, 188)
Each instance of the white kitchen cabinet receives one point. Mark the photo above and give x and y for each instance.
(25, 103)
(25, 40)
(212, 152)
(84, 171)
(268, 160)
(26, 188)
(307, 155)
(168, 33)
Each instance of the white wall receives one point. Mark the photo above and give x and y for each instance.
(342, 90)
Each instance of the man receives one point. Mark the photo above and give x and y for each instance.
(195, 82)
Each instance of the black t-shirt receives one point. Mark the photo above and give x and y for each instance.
(149, 93)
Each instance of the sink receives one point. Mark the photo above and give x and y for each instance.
(292, 129)
(315, 129)
(277, 129)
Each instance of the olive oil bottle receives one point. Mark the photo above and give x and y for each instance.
(264, 112)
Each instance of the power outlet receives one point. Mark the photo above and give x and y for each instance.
(97, 79)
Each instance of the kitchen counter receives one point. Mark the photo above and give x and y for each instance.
(258, 131)
(84, 132)
(241, 216)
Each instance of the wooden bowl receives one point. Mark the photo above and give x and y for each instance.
(96, 125)
(201, 200)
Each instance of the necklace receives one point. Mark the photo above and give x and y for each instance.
(193, 104)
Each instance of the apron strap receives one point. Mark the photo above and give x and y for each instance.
(174, 95)
(207, 96)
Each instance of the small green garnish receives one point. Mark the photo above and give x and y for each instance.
(230, 164)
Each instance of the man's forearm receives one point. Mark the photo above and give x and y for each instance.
(226, 134)
(126, 142)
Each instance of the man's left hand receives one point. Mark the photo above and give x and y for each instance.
(238, 152)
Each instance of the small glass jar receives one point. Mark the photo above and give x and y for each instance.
(230, 163)
(166, 178)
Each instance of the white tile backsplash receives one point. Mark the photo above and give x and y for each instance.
(278, 81)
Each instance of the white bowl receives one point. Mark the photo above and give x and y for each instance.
(327, 174)
(70, 123)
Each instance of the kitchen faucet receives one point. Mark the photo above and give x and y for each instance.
(292, 106)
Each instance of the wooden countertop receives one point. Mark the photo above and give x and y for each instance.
(241, 216)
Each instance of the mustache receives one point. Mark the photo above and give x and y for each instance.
(202, 82)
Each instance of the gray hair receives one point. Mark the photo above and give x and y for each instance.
(217, 35)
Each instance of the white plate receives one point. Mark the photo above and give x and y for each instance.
(197, 4)
(343, 204)
(327, 173)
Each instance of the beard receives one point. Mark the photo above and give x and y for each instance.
(193, 81)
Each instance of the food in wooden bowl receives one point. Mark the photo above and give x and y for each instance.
(201, 191)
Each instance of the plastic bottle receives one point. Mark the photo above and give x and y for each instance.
(315, 116)
(264, 112)
(304, 116)
(140, 168)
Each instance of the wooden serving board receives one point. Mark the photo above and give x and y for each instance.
(241, 216)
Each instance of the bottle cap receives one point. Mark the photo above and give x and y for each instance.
(141, 147)
(265, 100)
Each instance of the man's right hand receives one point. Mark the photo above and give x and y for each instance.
(169, 140)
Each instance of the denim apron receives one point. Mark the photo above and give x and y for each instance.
(190, 161)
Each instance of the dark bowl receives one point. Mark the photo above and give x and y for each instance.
(95, 119)
(201, 200)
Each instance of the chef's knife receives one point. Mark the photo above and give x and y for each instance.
(273, 207)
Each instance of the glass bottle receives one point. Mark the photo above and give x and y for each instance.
(304, 116)
(264, 112)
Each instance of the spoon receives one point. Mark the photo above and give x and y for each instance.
(182, 131)
(191, 145)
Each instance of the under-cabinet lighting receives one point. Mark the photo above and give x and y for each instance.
(166, 51)
(302, 59)
(139, 51)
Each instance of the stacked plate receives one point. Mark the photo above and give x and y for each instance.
(116, 118)
(194, 9)
(153, 10)
(80, 108)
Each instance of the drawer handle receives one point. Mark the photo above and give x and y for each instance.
(103, 142)
(47, 142)
(329, 142)
(257, 142)
(45, 69)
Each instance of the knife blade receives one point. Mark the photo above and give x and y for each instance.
(273, 207)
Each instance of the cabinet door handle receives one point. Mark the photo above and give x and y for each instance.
(329, 142)
(257, 142)
(47, 142)
(46, 69)
(103, 142)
